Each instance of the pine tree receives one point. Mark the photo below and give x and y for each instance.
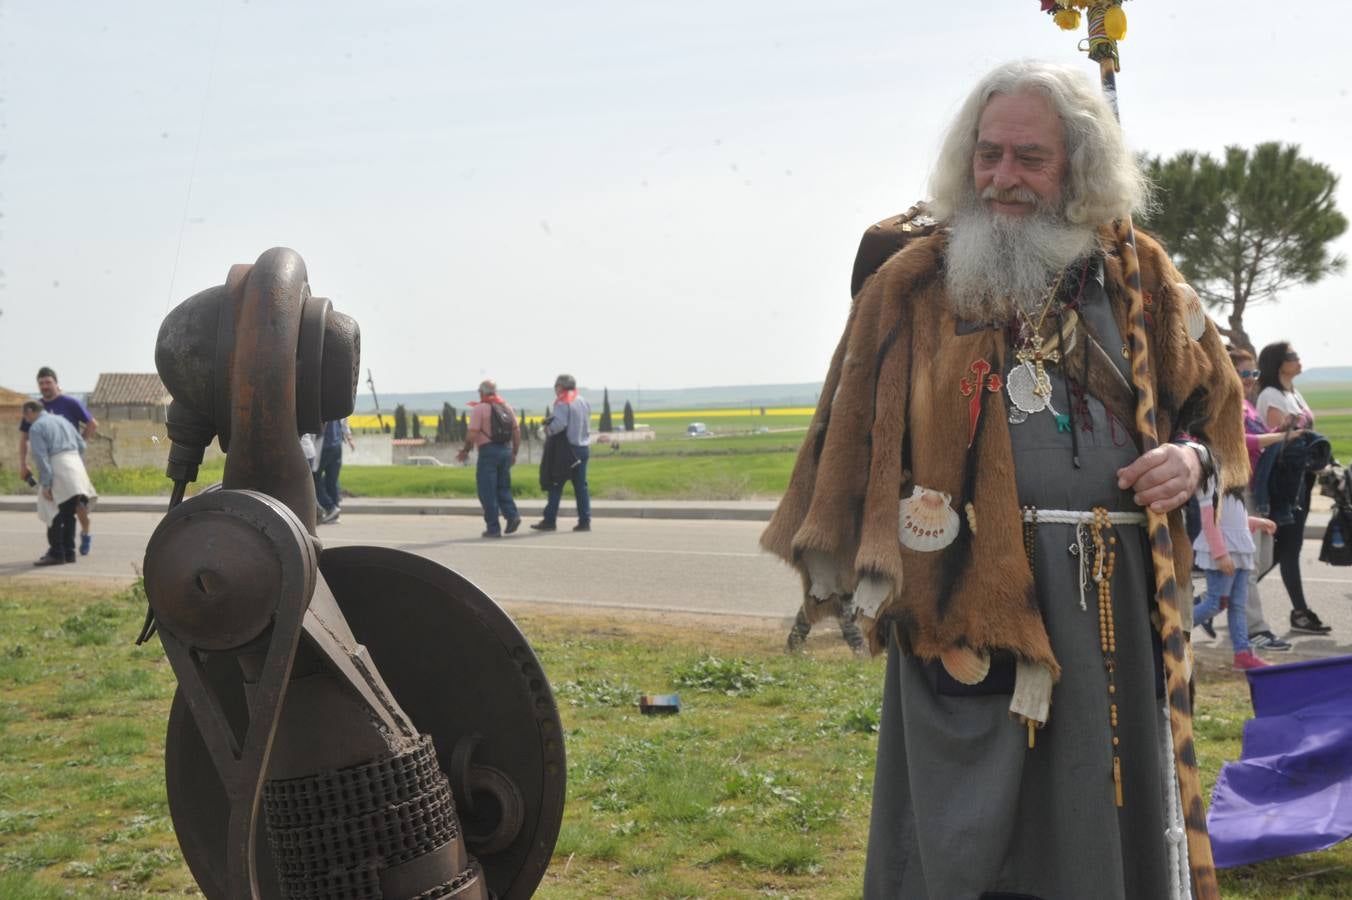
(1248, 227)
(446, 424)
(400, 422)
(416, 421)
(464, 427)
(628, 416)
(605, 425)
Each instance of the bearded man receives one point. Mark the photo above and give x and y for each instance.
(973, 483)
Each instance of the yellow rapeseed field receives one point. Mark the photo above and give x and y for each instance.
(369, 421)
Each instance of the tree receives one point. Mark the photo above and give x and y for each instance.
(400, 422)
(446, 424)
(628, 416)
(1245, 228)
(462, 433)
(416, 421)
(605, 425)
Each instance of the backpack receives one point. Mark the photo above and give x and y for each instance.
(500, 424)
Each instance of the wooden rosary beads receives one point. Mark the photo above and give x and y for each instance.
(1105, 560)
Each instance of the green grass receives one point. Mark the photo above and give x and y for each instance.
(1327, 396)
(716, 468)
(735, 463)
(759, 787)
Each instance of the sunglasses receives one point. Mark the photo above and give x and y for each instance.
(1248, 373)
(1291, 357)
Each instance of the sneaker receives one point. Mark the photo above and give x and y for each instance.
(543, 526)
(85, 540)
(1204, 624)
(582, 526)
(330, 516)
(1305, 621)
(71, 557)
(1269, 642)
(48, 559)
(513, 525)
(491, 534)
(1246, 660)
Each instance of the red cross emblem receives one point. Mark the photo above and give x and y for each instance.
(982, 378)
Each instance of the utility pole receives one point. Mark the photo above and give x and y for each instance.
(371, 382)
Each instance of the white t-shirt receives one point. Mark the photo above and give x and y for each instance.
(1289, 402)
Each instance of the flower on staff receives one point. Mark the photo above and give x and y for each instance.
(1068, 19)
(1066, 14)
(1114, 23)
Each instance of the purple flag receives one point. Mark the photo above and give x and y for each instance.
(1291, 790)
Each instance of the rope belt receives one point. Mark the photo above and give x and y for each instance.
(1034, 516)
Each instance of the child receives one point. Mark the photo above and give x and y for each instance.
(1226, 552)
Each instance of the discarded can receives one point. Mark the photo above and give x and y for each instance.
(659, 704)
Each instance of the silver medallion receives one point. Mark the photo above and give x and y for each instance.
(1027, 392)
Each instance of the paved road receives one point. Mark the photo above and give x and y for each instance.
(707, 566)
(699, 566)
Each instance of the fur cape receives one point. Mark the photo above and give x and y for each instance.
(892, 417)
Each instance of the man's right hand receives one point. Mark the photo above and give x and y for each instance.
(24, 473)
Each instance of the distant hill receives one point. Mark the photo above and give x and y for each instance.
(1326, 375)
(534, 400)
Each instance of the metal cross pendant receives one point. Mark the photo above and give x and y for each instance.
(1037, 357)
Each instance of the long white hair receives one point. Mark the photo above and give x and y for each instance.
(1103, 181)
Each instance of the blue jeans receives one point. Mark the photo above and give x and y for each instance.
(1236, 587)
(579, 481)
(326, 476)
(493, 475)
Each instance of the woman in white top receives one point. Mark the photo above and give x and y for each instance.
(1279, 403)
(1282, 407)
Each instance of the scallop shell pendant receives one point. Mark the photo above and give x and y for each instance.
(1194, 317)
(928, 522)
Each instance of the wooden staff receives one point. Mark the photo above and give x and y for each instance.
(1103, 50)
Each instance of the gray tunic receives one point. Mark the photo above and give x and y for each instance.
(961, 806)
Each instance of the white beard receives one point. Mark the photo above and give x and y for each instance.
(997, 264)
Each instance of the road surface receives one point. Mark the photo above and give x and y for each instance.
(700, 566)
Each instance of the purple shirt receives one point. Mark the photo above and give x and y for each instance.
(65, 406)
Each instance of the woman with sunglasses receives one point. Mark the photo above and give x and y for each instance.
(1284, 410)
(1257, 438)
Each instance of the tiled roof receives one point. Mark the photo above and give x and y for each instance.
(129, 388)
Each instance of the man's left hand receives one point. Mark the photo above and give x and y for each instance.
(1163, 479)
(47, 494)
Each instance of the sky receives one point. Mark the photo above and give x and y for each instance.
(642, 194)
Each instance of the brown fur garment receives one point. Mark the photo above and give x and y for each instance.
(890, 418)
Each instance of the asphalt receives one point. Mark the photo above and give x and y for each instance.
(725, 510)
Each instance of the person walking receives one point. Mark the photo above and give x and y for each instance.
(495, 432)
(78, 415)
(327, 491)
(1282, 409)
(571, 417)
(1257, 438)
(1225, 551)
(62, 480)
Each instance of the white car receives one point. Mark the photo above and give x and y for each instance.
(696, 429)
(423, 461)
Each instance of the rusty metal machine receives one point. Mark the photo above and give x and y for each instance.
(351, 722)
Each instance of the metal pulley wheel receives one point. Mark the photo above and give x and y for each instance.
(464, 674)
